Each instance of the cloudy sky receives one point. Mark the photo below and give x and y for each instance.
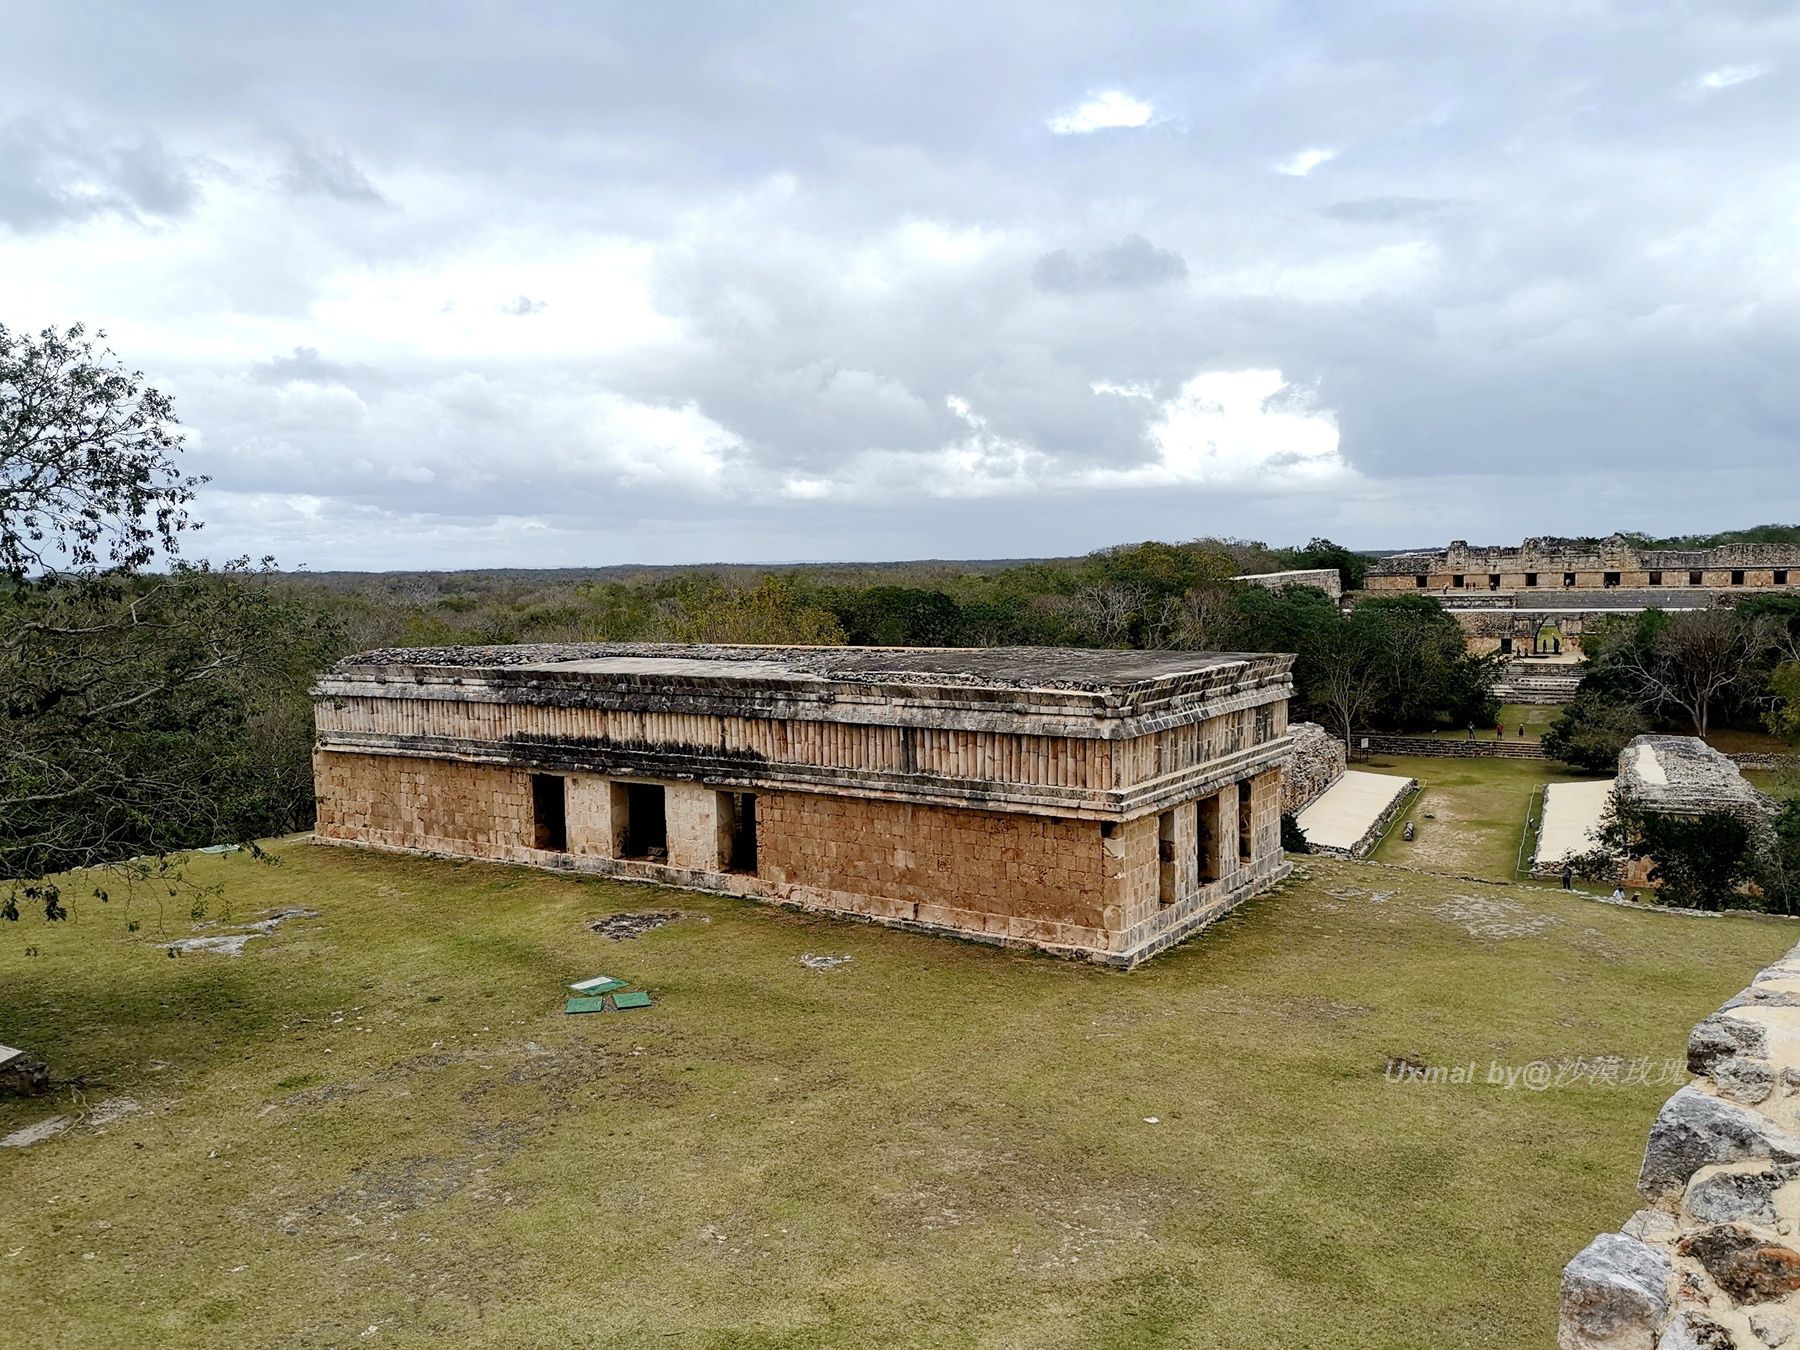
(442, 284)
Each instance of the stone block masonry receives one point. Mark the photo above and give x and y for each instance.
(1713, 1260)
(1100, 804)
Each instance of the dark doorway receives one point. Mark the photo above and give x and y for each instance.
(646, 825)
(1245, 824)
(1506, 646)
(549, 813)
(1208, 833)
(743, 831)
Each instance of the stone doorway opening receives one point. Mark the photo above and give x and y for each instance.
(646, 822)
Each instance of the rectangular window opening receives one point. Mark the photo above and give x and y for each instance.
(1531, 578)
(1609, 578)
(1568, 578)
(1245, 824)
(1167, 873)
(1696, 578)
(549, 813)
(646, 823)
(1781, 576)
(1656, 578)
(1737, 578)
(743, 831)
(1208, 832)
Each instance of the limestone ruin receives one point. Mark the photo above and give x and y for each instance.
(1096, 803)
(1534, 602)
(1713, 1260)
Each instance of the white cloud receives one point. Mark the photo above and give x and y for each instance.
(1241, 428)
(1303, 162)
(1123, 390)
(1726, 76)
(1110, 109)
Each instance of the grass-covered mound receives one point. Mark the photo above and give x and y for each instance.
(935, 1143)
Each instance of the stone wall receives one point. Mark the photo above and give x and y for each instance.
(1712, 1262)
(1316, 763)
(1116, 891)
(1450, 747)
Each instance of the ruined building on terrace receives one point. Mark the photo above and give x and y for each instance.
(1100, 803)
(1534, 602)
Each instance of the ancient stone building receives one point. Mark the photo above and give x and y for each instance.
(1534, 602)
(1096, 803)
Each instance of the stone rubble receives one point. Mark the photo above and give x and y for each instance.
(1714, 1263)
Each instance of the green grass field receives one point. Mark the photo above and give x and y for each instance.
(377, 1127)
(1470, 817)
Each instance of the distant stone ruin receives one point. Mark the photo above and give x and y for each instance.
(1534, 602)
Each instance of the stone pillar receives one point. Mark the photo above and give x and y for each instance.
(588, 807)
(695, 833)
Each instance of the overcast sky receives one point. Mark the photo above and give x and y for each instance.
(443, 284)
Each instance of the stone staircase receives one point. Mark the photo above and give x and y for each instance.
(1529, 682)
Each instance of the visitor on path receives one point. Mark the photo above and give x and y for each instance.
(1637, 898)
(1568, 876)
(1618, 894)
(1471, 731)
(1499, 732)
(1521, 731)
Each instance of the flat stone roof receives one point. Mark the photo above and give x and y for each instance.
(1053, 691)
(1096, 671)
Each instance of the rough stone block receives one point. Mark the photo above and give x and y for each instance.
(1615, 1293)
(1694, 1130)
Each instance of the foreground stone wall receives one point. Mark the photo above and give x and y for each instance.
(1316, 762)
(1713, 1262)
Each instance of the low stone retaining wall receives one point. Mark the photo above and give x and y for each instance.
(1450, 747)
(1713, 1263)
(1316, 763)
(1761, 761)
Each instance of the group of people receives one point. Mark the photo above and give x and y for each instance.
(1618, 892)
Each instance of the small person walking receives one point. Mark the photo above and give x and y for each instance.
(1499, 731)
(1521, 731)
(1568, 876)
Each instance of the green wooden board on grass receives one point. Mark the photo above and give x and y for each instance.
(585, 1005)
(623, 1001)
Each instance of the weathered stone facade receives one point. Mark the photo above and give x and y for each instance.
(1096, 803)
(1318, 760)
(1714, 1260)
(1327, 579)
(1537, 600)
(1613, 563)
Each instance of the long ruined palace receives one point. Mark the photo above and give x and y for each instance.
(1534, 602)
(1100, 803)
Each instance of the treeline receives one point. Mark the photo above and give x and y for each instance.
(1396, 663)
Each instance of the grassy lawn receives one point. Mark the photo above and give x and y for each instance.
(1471, 815)
(376, 1127)
(1534, 717)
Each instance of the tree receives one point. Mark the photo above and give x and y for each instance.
(1700, 861)
(142, 715)
(1690, 661)
(87, 472)
(1352, 568)
(1346, 676)
(1593, 730)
